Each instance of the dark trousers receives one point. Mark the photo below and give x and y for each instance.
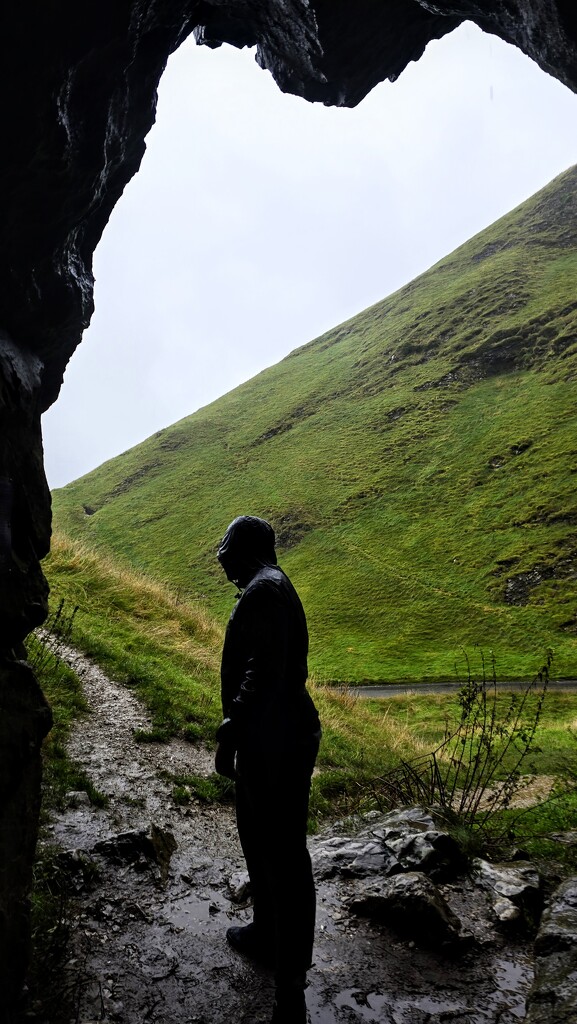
(272, 797)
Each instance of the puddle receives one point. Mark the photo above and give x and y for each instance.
(376, 1008)
(195, 915)
(513, 980)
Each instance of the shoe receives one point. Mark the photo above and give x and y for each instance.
(290, 1007)
(246, 940)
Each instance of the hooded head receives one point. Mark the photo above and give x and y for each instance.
(246, 547)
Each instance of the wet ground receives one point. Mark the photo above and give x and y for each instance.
(149, 944)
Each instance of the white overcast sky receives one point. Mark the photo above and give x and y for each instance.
(258, 221)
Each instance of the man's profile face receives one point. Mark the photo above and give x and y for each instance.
(230, 556)
(247, 545)
(227, 563)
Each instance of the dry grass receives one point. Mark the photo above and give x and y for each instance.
(155, 609)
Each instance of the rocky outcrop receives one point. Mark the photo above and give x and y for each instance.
(402, 840)
(516, 891)
(24, 495)
(413, 906)
(83, 93)
(24, 715)
(553, 997)
(80, 88)
(24, 721)
(397, 865)
(388, 866)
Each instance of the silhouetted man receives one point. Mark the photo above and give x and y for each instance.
(268, 743)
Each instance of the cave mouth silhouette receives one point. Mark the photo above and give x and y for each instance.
(82, 83)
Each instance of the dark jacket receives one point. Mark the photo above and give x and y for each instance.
(264, 667)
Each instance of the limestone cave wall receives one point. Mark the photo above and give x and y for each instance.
(80, 84)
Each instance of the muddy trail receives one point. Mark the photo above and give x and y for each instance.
(149, 939)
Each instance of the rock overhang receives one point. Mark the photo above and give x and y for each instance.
(80, 86)
(82, 83)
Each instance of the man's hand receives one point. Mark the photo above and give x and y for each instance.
(224, 760)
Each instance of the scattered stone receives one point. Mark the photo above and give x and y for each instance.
(163, 846)
(517, 887)
(421, 844)
(371, 815)
(434, 852)
(353, 858)
(139, 849)
(567, 838)
(553, 996)
(239, 887)
(413, 906)
(405, 819)
(135, 910)
(81, 870)
(77, 798)
(505, 911)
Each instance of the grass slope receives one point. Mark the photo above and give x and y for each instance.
(168, 652)
(418, 463)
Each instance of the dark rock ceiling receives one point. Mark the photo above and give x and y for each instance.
(80, 98)
(80, 83)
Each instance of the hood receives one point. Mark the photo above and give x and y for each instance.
(246, 547)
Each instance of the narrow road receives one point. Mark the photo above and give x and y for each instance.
(398, 689)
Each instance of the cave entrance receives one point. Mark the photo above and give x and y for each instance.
(258, 221)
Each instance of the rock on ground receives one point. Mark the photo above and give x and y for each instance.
(553, 997)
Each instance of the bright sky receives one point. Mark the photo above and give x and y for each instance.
(258, 221)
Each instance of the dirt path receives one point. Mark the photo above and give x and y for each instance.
(153, 950)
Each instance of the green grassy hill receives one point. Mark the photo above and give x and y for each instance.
(418, 463)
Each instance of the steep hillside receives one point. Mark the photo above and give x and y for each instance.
(418, 463)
